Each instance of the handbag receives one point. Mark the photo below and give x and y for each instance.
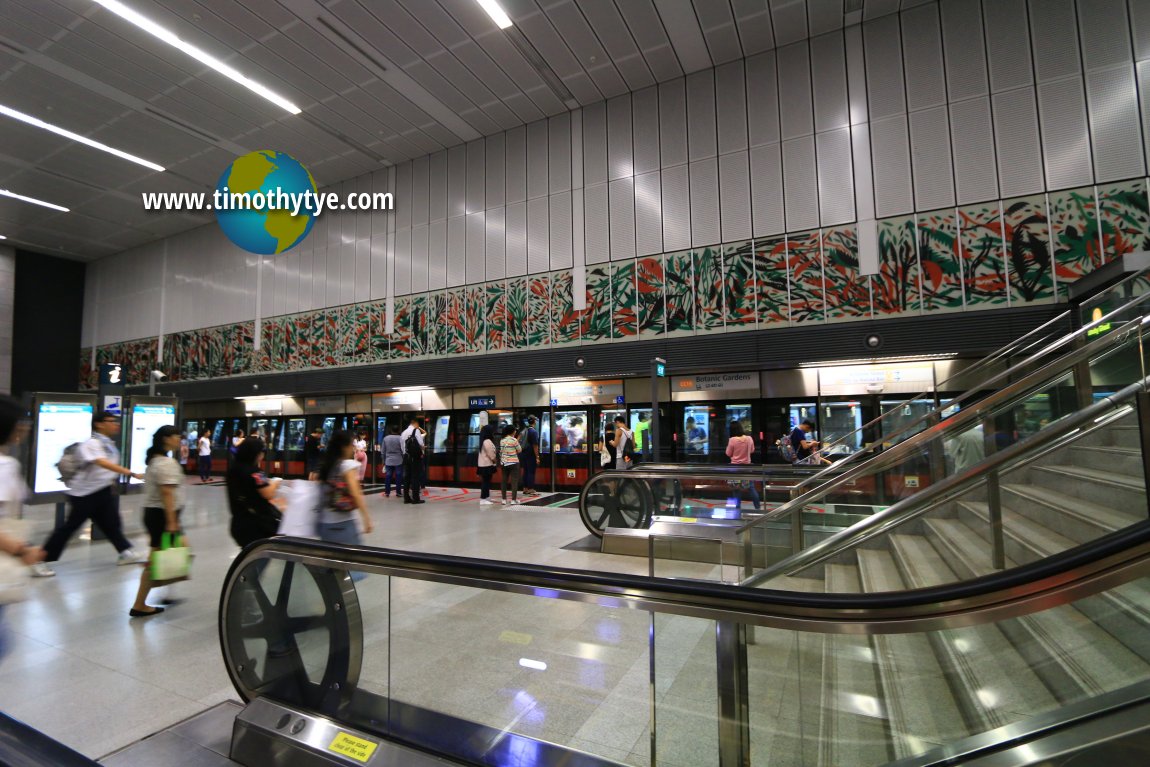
(14, 574)
(172, 561)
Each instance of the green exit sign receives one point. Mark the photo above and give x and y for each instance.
(661, 369)
(1097, 331)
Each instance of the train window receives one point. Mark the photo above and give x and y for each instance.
(640, 427)
(440, 433)
(570, 431)
(696, 429)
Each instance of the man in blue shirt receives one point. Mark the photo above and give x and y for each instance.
(529, 457)
(803, 446)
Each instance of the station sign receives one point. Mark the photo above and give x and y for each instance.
(741, 382)
(111, 374)
(480, 402)
(332, 404)
(397, 400)
(586, 392)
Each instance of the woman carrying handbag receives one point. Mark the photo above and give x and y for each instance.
(250, 495)
(163, 502)
(488, 457)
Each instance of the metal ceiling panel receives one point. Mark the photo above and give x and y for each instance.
(646, 27)
(719, 32)
(682, 27)
(582, 41)
(616, 39)
(753, 23)
(824, 16)
(789, 18)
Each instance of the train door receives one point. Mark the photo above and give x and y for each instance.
(569, 441)
(290, 445)
(267, 429)
(467, 456)
(360, 426)
(605, 422)
(742, 413)
(696, 438)
(385, 423)
(640, 423)
(841, 422)
(440, 447)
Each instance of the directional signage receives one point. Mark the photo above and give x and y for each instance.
(479, 403)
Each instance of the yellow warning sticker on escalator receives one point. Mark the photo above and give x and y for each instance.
(352, 747)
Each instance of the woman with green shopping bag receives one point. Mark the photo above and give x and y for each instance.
(163, 501)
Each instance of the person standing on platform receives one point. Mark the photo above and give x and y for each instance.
(740, 447)
(184, 452)
(642, 437)
(413, 449)
(392, 462)
(204, 458)
(509, 449)
(312, 453)
(13, 429)
(529, 457)
(91, 496)
(486, 461)
(624, 444)
(361, 455)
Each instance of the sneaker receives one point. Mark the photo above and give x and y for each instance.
(128, 557)
(486, 500)
(42, 570)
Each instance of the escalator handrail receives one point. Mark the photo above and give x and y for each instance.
(25, 746)
(1086, 570)
(952, 424)
(920, 503)
(1082, 332)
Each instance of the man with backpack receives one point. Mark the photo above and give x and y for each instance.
(529, 457)
(413, 445)
(89, 469)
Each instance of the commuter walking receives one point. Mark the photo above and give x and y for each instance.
(740, 447)
(341, 493)
(184, 452)
(413, 449)
(163, 502)
(236, 440)
(204, 457)
(624, 443)
(13, 546)
(509, 449)
(250, 495)
(392, 462)
(361, 455)
(488, 457)
(91, 496)
(529, 458)
(313, 453)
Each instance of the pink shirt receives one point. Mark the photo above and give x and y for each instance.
(739, 449)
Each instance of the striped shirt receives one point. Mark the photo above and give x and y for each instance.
(509, 451)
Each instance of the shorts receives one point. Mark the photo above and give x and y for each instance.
(156, 522)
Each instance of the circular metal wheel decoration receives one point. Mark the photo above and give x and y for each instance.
(616, 502)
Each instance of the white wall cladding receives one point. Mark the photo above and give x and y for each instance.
(951, 102)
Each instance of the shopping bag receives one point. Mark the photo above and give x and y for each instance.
(172, 561)
(14, 574)
(300, 515)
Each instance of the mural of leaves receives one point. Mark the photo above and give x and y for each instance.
(474, 327)
(355, 333)
(539, 311)
(624, 320)
(805, 264)
(848, 291)
(772, 286)
(679, 293)
(595, 320)
(896, 289)
(378, 347)
(1125, 219)
(435, 324)
(739, 286)
(421, 325)
(517, 313)
(451, 323)
(984, 265)
(495, 311)
(1074, 233)
(564, 319)
(649, 282)
(1027, 233)
(938, 257)
(400, 340)
(89, 375)
(708, 264)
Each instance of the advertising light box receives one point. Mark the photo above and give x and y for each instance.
(58, 424)
(146, 419)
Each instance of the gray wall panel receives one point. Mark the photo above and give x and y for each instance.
(437, 187)
(1016, 142)
(829, 81)
(517, 239)
(476, 247)
(1008, 45)
(883, 47)
(537, 183)
(1054, 25)
(676, 208)
(496, 247)
(795, 110)
(597, 224)
(619, 153)
(1144, 89)
(731, 107)
(648, 214)
(621, 195)
(962, 37)
(890, 154)
(800, 184)
(516, 165)
(476, 170)
(419, 258)
(705, 222)
(1115, 126)
(836, 178)
(856, 75)
(972, 138)
(1140, 29)
(495, 186)
(1105, 32)
(560, 230)
(922, 57)
(456, 182)
(762, 99)
(419, 190)
(402, 262)
(456, 251)
(595, 143)
(559, 156)
(403, 196)
(437, 255)
(1065, 134)
(538, 245)
(645, 106)
(735, 196)
(672, 124)
(701, 115)
(767, 190)
(930, 148)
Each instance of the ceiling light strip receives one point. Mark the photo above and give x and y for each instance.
(33, 200)
(497, 14)
(200, 55)
(30, 120)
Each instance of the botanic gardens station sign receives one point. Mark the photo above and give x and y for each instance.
(717, 382)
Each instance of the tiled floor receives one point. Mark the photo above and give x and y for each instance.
(83, 672)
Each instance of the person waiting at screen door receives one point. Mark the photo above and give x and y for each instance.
(509, 449)
(805, 449)
(204, 458)
(529, 457)
(91, 496)
(392, 462)
(413, 447)
(313, 452)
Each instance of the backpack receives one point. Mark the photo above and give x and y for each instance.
(71, 464)
(412, 447)
(787, 449)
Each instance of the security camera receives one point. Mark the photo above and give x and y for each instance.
(872, 341)
(388, 376)
(255, 387)
(159, 375)
(580, 362)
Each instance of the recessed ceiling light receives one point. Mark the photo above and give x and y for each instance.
(497, 14)
(2, 237)
(30, 120)
(200, 55)
(33, 200)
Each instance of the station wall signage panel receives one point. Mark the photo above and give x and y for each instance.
(397, 400)
(715, 386)
(478, 403)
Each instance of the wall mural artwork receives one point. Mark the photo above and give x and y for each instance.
(847, 290)
(974, 258)
(939, 259)
(772, 286)
(739, 303)
(1027, 233)
(650, 281)
(679, 292)
(983, 259)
